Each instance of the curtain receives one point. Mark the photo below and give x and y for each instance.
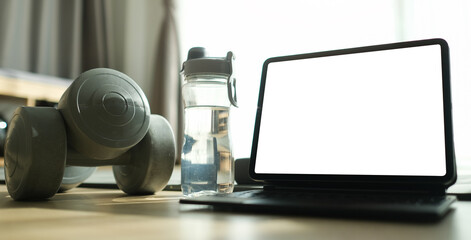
(41, 36)
(167, 84)
(64, 38)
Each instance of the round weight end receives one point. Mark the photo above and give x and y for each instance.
(74, 176)
(35, 152)
(106, 113)
(152, 161)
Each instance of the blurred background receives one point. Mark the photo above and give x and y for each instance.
(149, 39)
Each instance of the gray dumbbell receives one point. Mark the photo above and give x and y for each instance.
(103, 118)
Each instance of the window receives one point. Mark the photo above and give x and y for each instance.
(257, 30)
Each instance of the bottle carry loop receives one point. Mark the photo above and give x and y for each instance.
(231, 81)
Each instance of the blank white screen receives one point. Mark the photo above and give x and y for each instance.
(374, 113)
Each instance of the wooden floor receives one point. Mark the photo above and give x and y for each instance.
(110, 214)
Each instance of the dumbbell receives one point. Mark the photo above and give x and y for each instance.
(103, 118)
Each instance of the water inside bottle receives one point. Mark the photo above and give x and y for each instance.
(207, 159)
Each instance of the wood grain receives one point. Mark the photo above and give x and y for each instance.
(84, 213)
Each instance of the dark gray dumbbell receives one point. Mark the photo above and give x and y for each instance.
(103, 118)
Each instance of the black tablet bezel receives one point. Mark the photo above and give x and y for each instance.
(444, 181)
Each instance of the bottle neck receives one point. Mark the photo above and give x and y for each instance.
(206, 78)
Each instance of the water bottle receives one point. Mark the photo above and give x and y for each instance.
(208, 92)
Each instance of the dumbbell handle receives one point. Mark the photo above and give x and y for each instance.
(74, 158)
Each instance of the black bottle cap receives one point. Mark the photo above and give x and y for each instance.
(196, 52)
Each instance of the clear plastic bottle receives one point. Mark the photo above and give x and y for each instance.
(208, 93)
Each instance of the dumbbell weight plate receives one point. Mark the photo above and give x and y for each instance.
(35, 153)
(152, 161)
(74, 176)
(106, 113)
